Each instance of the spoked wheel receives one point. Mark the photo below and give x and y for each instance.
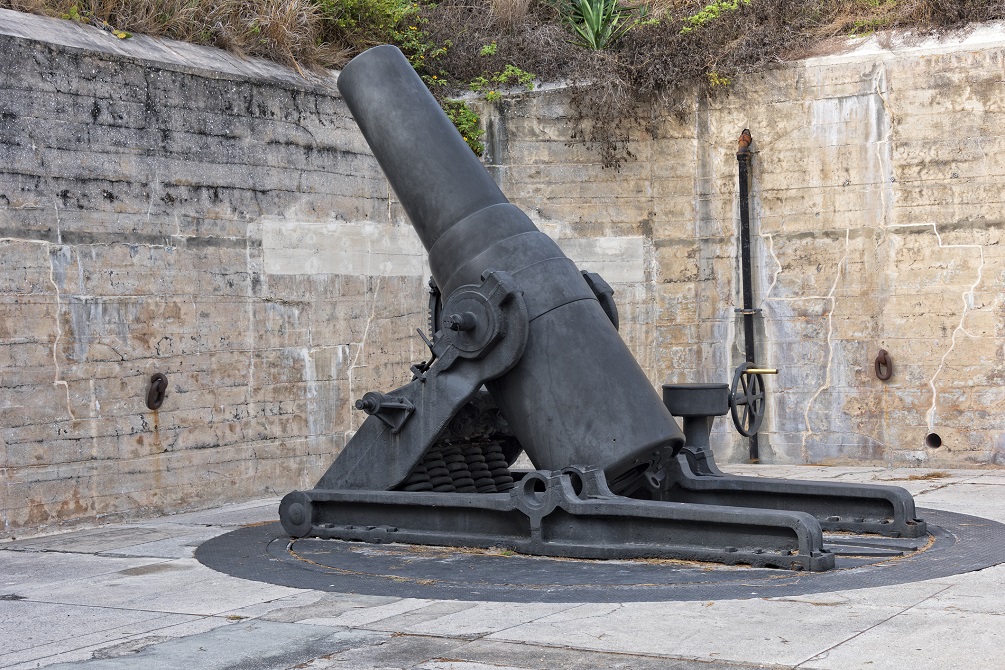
(746, 400)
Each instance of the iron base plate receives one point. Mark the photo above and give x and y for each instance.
(956, 543)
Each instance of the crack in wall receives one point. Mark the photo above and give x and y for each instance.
(968, 302)
(885, 159)
(829, 297)
(883, 143)
(57, 380)
(359, 350)
(884, 156)
(252, 332)
(311, 396)
(830, 348)
(778, 267)
(771, 408)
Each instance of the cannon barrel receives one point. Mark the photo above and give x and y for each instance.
(576, 396)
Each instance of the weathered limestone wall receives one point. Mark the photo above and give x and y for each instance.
(877, 221)
(167, 208)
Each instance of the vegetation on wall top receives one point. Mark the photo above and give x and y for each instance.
(620, 57)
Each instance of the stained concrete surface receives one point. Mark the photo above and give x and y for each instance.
(131, 595)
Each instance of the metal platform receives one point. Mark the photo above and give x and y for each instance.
(955, 544)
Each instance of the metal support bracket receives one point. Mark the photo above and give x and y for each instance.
(605, 295)
(837, 506)
(693, 477)
(571, 513)
(487, 344)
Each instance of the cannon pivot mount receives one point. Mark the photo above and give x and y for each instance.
(525, 357)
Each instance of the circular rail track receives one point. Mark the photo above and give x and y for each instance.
(956, 543)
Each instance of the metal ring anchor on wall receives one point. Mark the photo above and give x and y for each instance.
(157, 391)
(883, 365)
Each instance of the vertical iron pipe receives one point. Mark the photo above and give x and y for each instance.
(743, 159)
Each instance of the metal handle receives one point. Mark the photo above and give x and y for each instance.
(746, 398)
(883, 365)
(157, 391)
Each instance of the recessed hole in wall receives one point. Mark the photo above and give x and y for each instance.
(933, 440)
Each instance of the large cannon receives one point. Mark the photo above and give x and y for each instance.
(526, 357)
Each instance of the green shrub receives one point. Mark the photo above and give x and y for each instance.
(597, 24)
(509, 76)
(360, 24)
(467, 123)
(711, 13)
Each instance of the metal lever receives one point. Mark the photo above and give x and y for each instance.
(389, 409)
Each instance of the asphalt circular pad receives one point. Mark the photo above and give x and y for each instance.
(957, 543)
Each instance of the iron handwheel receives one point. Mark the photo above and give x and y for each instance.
(746, 400)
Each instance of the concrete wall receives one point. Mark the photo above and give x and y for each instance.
(877, 217)
(169, 208)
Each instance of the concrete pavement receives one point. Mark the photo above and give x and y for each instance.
(131, 595)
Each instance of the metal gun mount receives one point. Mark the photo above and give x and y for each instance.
(526, 358)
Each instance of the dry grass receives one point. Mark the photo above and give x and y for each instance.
(937, 474)
(656, 65)
(858, 16)
(287, 31)
(509, 14)
(536, 42)
(660, 64)
(928, 476)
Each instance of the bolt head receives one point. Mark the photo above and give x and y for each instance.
(297, 514)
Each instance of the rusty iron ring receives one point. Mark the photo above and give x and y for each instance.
(157, 391)
(884, 365)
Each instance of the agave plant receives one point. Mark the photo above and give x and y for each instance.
(597, 24)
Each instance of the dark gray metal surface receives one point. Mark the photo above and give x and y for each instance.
(958, 544)
(577, 395)
(692, 477)
(743, 157)
(379, 456)
(510, 311)
(837, 506)
(570, 513)
(746, 404)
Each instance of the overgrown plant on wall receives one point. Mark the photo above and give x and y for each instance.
(682, 48)
(597, 24)
(307, 34)
(622, 59)
(467, 123)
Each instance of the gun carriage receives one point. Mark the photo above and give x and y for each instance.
(526, 358)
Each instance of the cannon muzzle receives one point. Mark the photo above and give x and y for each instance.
(577, 395)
